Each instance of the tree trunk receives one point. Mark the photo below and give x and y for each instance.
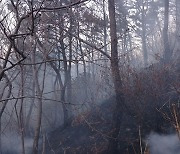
(167, 51)
(84, 67)
(177, 18)
(118, 110)
(39, 108)
(177, 45)
(69, 84)
(63, 88)
(28, 118)
(105, 28)
(9, 84)
(144, 44)
(21, 112)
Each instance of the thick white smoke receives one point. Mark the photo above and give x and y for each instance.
(164, 144)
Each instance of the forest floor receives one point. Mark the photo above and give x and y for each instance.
(90, 131)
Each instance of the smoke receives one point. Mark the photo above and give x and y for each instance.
(164, 144)
(11, 144)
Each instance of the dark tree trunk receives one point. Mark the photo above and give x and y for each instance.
(63, 89)
(118, 110)
(65, 109)
(69, 83)
(39, 108)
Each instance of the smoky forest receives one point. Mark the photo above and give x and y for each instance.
(89, 76)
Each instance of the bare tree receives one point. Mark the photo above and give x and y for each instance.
(119, 106)
(167, 50)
